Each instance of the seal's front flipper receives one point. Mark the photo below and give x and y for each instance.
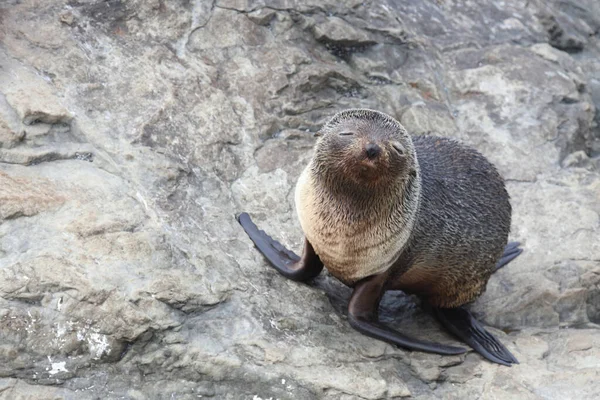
(511, 251)
(362, 315)
(285, 261)
(461, 323)
(379, 331)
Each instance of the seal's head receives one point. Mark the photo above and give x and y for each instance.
(366, 149)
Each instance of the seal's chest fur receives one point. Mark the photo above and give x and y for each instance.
(350, 250)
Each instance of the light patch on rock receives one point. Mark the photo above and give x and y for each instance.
(511, 23)
(97, 343)
(30, 324)
(56, 367)
(141, 198)
(61, 330)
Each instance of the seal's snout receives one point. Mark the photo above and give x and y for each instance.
(372, 150)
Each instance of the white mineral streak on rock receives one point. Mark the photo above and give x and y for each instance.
(98, 345)
(56, 367)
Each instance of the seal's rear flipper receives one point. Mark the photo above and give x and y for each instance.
(511, 251)
(285, 261)
(462, 324)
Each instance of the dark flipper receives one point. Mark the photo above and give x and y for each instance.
(382, 332)
(511, 251)
(362, 315)
(285, 261)
(462, 324)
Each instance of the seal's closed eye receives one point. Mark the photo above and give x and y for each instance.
(346, 133)
(398, 147)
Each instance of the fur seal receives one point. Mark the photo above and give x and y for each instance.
(384, 211)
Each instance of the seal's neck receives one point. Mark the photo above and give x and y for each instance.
(396, 201)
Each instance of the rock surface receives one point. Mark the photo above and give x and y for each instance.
(132, 132)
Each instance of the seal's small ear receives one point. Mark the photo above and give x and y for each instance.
(318, 134)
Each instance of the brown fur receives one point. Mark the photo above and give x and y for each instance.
(435, 218)
(462, 225)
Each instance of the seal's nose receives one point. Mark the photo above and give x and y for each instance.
(373, 151)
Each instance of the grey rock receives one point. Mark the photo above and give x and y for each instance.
(29, 96)
(8, 137)
(132, 133)
(334, 31)
(576, 159)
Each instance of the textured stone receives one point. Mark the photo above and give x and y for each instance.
(30, 97)
(8, 137)
(35, 105)
(132, 133)
(336, 31)
(20, 197)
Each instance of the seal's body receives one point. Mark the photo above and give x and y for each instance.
(454, 213)
(383, 211)
(462, 225)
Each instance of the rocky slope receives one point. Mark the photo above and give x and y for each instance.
(131, 132)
